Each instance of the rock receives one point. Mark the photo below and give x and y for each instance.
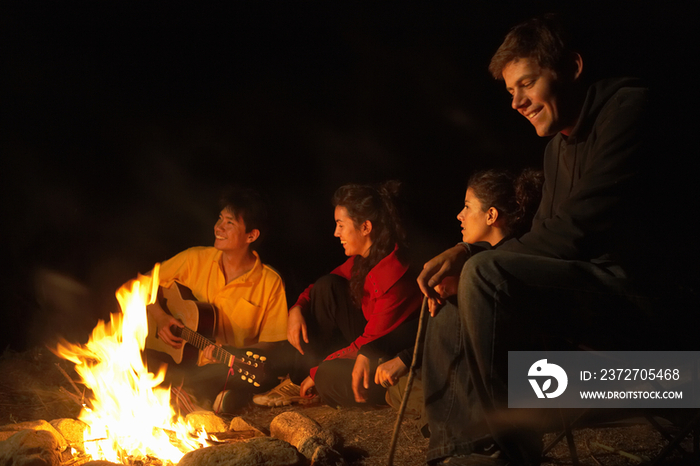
(31, 448)
(317, 444)
(296, 428)
(326, 456)
(239, 424)
(9, 430)
(72, 430)
(263, 451)
(207, 419)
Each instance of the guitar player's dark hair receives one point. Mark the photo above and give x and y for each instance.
(247, 204)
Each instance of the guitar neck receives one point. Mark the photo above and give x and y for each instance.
(248, 367)
(201, 342)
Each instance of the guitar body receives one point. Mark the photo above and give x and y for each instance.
(178, 301)
(200, 322)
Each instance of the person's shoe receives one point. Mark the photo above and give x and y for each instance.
(227, 402)
(283, 394)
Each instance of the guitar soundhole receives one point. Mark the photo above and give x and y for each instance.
(175, 330)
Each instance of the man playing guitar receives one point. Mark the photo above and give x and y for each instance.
(248, 298)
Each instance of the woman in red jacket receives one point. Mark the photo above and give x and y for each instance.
(365, 298)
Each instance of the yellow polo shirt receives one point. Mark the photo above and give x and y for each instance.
(250, 309)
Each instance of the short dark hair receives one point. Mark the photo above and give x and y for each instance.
(246, 204)
(543, 39)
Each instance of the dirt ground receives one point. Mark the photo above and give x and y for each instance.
(34, 385)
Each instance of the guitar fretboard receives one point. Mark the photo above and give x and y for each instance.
(252, 364)
(201, 342)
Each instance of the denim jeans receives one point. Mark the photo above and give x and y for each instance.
(513, 302)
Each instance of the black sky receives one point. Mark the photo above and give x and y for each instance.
(120, 125)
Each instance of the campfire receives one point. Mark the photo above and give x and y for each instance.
(128, 414)
(130, 421)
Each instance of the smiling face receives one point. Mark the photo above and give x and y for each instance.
(537, 95)
(355, 241)
(230, 233)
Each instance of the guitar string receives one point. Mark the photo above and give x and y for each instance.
(220, 354)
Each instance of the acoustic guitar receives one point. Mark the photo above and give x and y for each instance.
(200, 322)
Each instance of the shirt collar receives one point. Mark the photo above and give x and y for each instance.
(250, 276)
(388, 271)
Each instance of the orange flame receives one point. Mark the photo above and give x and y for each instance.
(129, 410)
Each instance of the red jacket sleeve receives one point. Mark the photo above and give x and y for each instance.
(344, 270)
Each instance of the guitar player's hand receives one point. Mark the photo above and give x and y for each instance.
(296, 328)
(164, 321)
(208, 353)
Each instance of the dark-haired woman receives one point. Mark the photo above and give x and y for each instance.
(365, 298)
(497, 205)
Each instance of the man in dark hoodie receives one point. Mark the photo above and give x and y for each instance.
(575, 276)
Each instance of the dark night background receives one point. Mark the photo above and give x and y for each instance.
(121, 124)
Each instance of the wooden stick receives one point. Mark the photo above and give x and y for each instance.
(639, 459)
(69, 379)
(70, 395)
(409, 382)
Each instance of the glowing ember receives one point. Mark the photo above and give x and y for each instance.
(129, 414)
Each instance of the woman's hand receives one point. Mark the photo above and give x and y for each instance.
(360, 378)
(296, 328)
(446, 288)
(163, 322)
(448, 263)
(308, 388)
(389, 373)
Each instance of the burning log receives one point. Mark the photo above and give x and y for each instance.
(71, 430)
(238, 430)
(205, 420)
